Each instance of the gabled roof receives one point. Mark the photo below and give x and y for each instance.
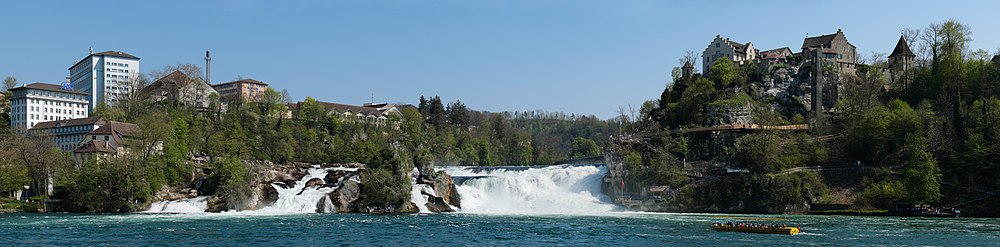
(902, 49)
(117, 128)
(70, 122)
(96, 146)
(170, 80)
(820, 40)
(775, 53)
(687, 64)
(350, 108)
(48, 87)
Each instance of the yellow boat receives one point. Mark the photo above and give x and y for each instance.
(755, 229)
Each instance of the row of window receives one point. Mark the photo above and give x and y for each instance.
(117, 64)
(116, 70)
(116, 76)
(21, 102)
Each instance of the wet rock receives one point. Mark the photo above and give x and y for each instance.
(332, 177)
(215, 204)
(409, 208)
(446, 189)
(314, 182)
(346, 196)
(437, 204)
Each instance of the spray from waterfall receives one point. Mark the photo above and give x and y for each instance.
(546, 190)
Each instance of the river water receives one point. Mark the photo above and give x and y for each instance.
(542, 206)
(461, 229)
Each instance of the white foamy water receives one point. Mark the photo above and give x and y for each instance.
(299, 199)
(295, 199)
(548, 190)
(416, 195)
(190, 205)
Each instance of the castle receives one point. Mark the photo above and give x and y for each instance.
(815, 74)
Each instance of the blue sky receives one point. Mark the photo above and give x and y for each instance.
(583, 57)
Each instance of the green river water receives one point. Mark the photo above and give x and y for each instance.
(461, 229)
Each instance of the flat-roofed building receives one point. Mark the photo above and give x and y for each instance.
(40, 102)
(104, 75)
(245, 90)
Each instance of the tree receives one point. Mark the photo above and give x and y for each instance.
(132, 102)
(458, 114)
(435, 113)
(583, 147)
(180, 89)
(724, 73)
(9, 83)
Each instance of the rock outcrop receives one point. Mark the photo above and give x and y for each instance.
(346, 196)
(442, 195)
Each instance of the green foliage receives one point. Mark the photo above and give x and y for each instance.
(236, 186)
(921, 175)
(381, 189)
(881, 133)
(583, 147)
(725, 74)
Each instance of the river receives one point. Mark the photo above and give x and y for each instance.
(460, 229)
(544, 206)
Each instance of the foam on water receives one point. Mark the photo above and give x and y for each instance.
(572, 190)
(299, 199)
(190, 205)
(291, 200)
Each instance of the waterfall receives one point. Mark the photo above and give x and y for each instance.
(190, 205)
(302, 199)
(538, 190)
(416, 192)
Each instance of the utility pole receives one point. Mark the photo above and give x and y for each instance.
(208, 68)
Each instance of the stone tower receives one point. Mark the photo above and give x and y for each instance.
(901, 60)
(687, 70)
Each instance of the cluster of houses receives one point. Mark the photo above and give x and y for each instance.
(63, 113)
(818, 54)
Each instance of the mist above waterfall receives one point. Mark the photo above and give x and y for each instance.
(544, 190)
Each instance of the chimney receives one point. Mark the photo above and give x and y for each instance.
(208, 68)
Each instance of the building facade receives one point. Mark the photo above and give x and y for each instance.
(834, 47)
(245, 90)
(68, 134)
(182, 88)
(374, 114)
(104, 76)
(41, 102)
(901, 60)
(106, 141)
(725, 48)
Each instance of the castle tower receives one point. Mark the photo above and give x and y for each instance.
(687, 70)
(901, 60)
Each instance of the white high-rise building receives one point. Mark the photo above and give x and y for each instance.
(42, 102)
(104, 76)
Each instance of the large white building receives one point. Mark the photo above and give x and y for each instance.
(41, 102)
(104, 76)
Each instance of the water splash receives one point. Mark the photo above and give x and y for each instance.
(302, 199)
(189, 205)
(573, 190)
